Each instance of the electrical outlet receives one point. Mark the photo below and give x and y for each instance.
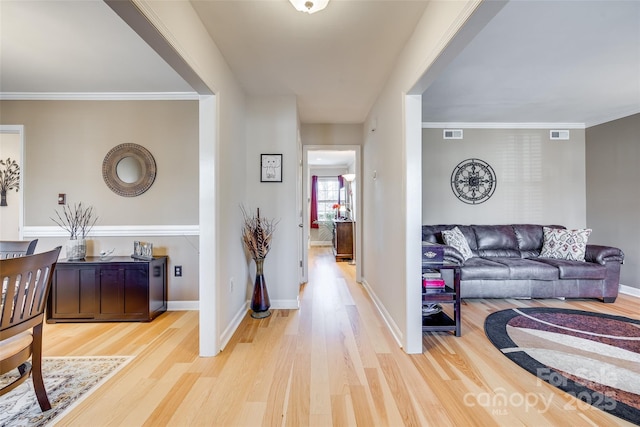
(177, 271)
(231, 285)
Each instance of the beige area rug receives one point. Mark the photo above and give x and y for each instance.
(68, 380)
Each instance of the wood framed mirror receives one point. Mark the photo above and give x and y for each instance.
(129, 169)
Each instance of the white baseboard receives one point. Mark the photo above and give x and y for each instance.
(630, 290)
(240, 314)
(183, 305)
(391, 325)
(233, 325)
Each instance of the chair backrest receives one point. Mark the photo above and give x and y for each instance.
(17, 248)
(25, 286)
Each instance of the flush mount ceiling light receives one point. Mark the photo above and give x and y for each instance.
(309, 6)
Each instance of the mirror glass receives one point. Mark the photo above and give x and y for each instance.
(129, 170)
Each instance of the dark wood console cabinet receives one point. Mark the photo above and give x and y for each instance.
(117, 289)
(343, 239)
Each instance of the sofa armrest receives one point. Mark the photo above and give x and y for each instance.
(603, 254)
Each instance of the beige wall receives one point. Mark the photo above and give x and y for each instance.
(331, 134)
(65, 144)
(613, 205)
(539, 181)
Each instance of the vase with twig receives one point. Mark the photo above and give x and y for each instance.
(256, 236)
(77, 220)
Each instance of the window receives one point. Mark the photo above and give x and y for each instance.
(329, 193)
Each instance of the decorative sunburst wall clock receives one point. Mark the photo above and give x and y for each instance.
(473, 181)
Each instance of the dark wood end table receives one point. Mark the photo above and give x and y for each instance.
(450, 294)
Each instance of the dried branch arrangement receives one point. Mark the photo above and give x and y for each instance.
(77, 220)
(9, 175)
(257, 233)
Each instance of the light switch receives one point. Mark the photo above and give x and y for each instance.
(62, 199)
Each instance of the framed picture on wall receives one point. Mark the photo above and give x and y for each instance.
(271, 168)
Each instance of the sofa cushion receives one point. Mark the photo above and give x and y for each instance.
(569, 269)
(456, 239)
(498, 253)
(477, 268)
(523, 269)
(564, 244)
(496, 237)
(529, 237)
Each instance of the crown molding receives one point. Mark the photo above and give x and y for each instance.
(98, 96)
(488, 125)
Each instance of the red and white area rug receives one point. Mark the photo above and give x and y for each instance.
(593, 357)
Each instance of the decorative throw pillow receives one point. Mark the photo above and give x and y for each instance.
(456, 239)
(564, 244)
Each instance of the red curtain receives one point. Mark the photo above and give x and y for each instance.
(314, 202)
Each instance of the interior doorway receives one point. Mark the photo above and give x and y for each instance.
(11, 216)
(337, 168)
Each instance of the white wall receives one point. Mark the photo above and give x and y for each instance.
(272, 128)
(385, 158)
(538, 181)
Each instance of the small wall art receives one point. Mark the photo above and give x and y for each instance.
(271, 168)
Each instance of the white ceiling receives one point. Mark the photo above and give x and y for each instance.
(536, 61)
(342, 158)
(545, 62)
(77, 47)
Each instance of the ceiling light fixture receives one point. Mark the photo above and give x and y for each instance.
(309, 6)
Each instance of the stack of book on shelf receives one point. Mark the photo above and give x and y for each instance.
(432, 280)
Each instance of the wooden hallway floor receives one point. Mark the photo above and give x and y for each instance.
(333, 362)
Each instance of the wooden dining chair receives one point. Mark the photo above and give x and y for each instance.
(17, 248)
(25, 282)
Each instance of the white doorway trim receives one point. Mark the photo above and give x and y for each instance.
(305, 203)
(209, 325)
(19, 130)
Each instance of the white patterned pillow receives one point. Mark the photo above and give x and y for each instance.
(456, 239)
(564, 244)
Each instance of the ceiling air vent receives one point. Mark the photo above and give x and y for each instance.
(452, 133)
(559, 134)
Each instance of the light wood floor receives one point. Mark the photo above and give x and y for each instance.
(332, 362)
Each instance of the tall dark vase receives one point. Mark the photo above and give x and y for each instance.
(260, 301)
(3, 202)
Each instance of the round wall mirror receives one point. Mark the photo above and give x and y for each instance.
(129, 170)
